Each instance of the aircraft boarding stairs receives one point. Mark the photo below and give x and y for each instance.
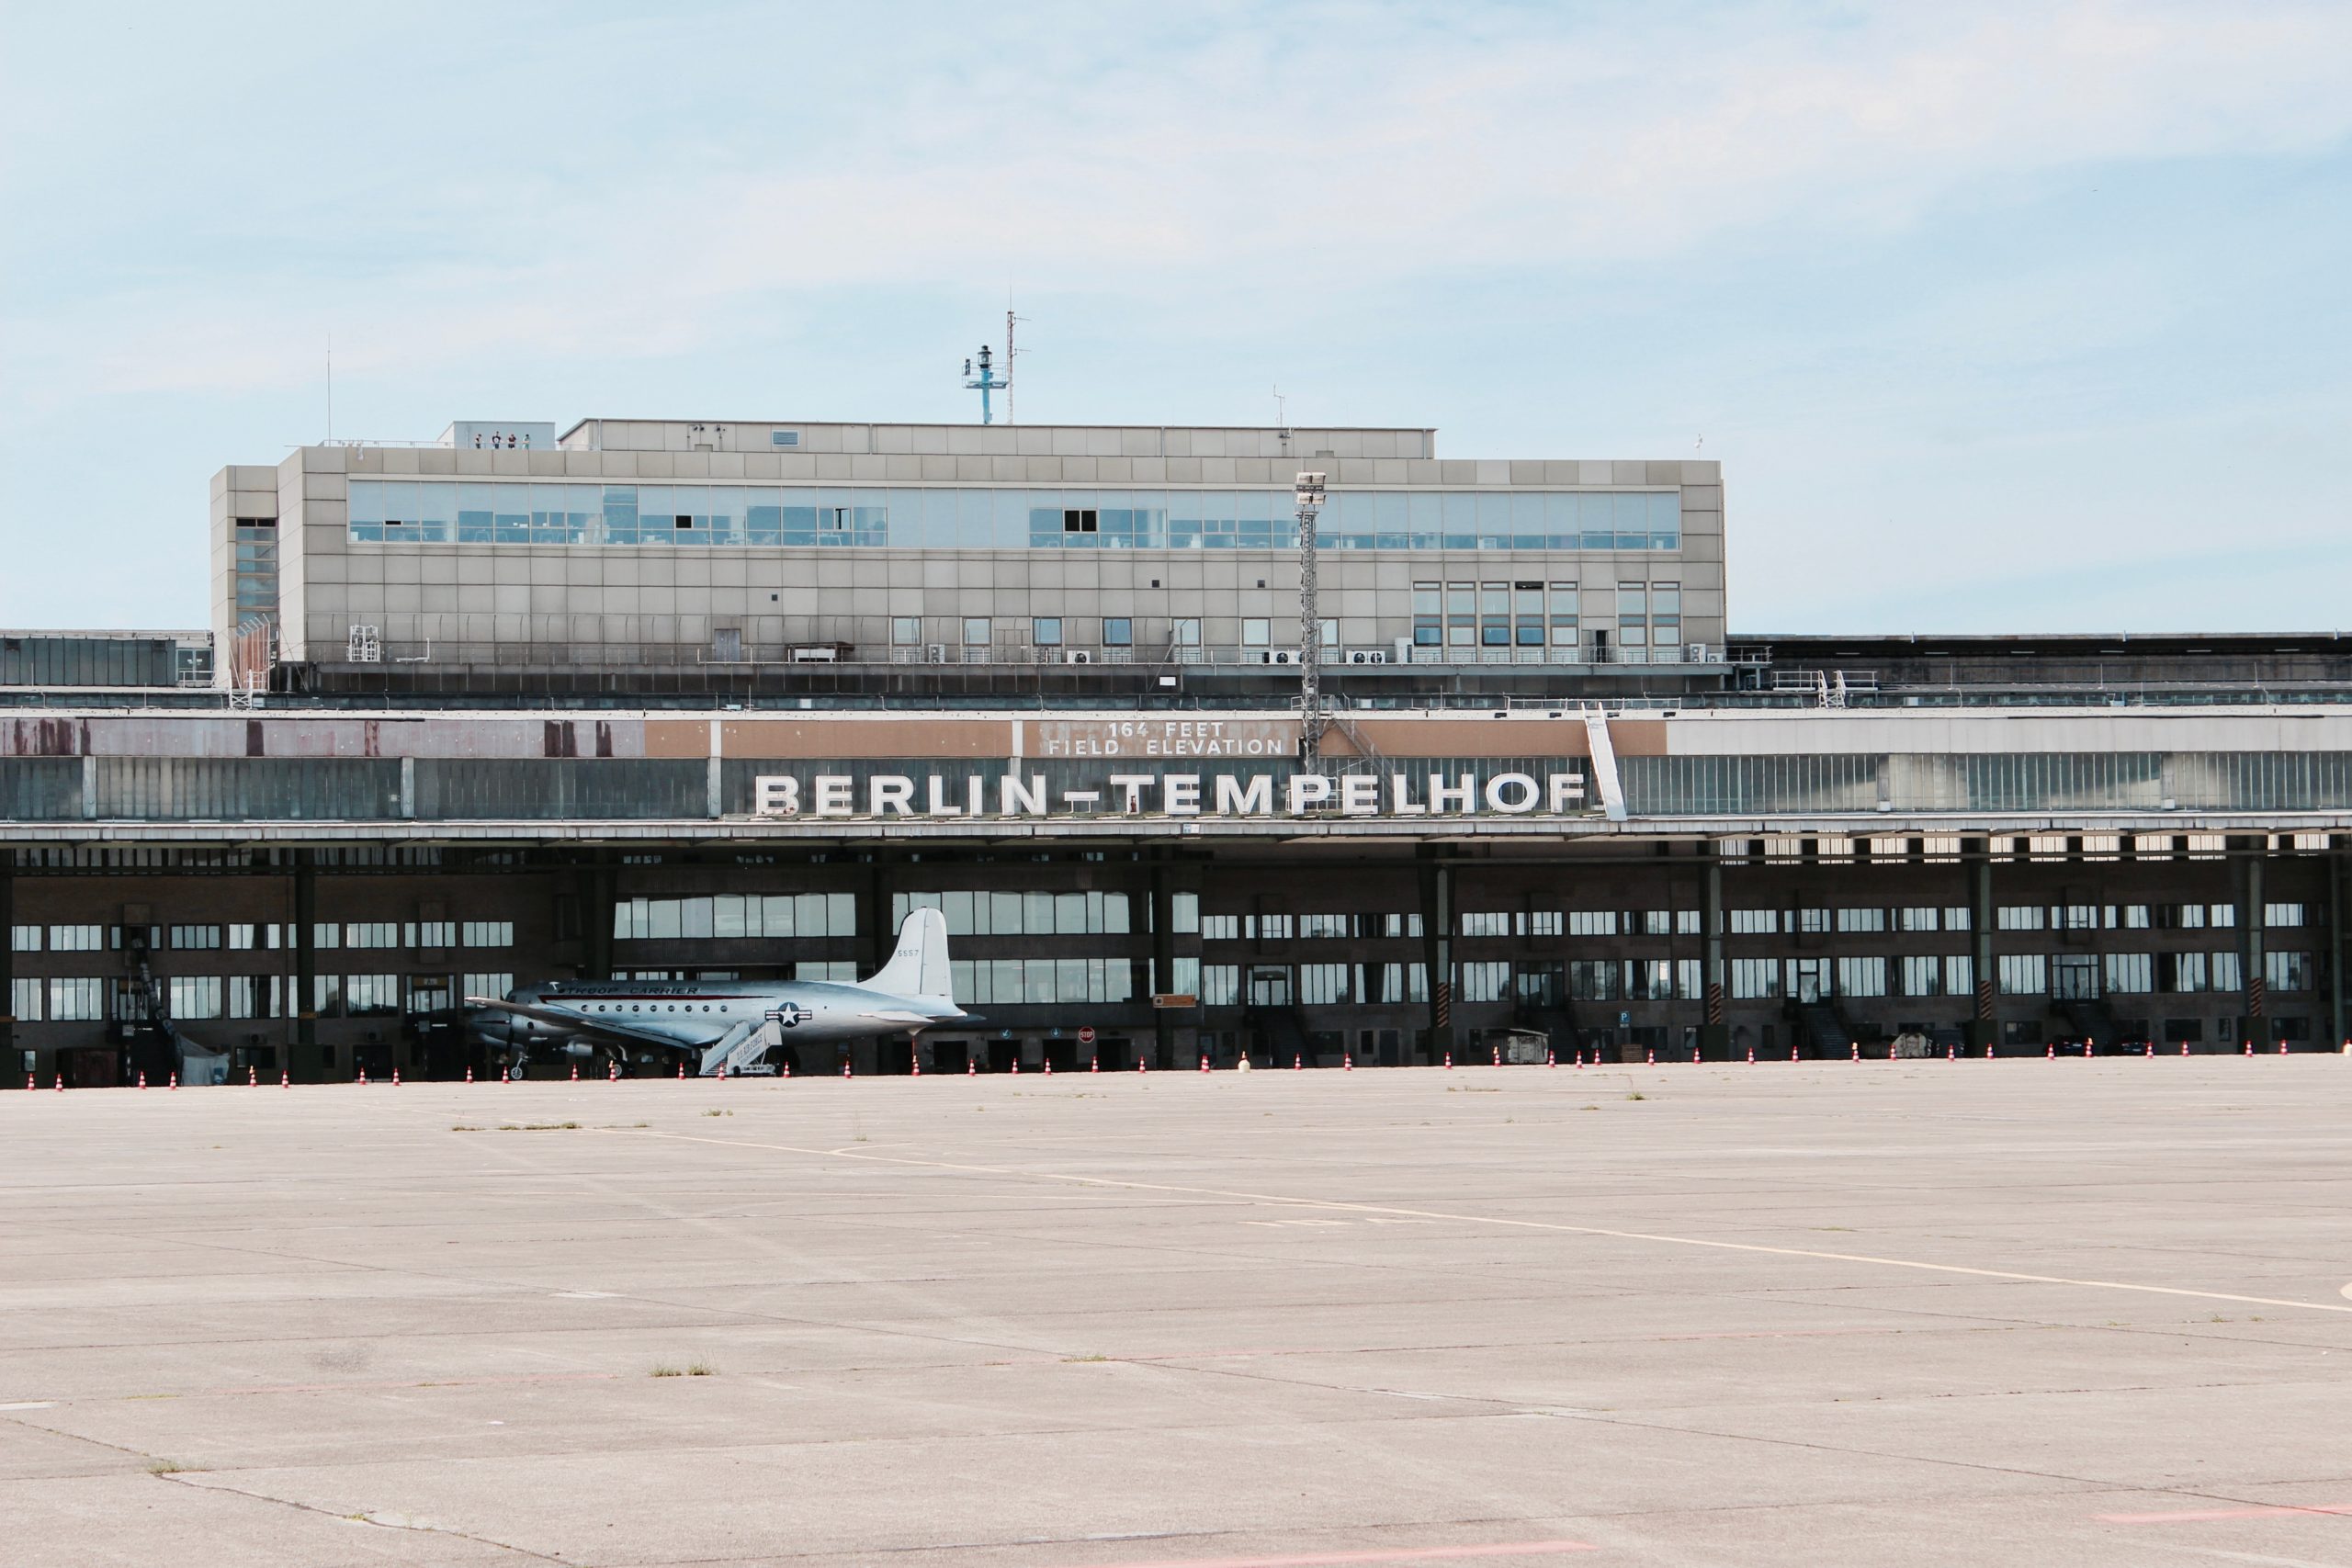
(742, 1051)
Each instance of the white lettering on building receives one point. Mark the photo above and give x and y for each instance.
(1246, 796)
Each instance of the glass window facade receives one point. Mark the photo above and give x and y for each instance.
(943, 517)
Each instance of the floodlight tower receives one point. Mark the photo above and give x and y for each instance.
(1308, 496)
(987, 381)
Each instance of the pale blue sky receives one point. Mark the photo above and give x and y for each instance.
(2024, 317)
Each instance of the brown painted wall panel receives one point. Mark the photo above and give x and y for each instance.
(677, 737)
(1638, 737)
(1476, 736)
(821, 738)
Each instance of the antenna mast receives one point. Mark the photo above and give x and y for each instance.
(1009, 319)
(1308, 496)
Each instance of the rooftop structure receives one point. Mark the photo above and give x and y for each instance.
(1161, 556)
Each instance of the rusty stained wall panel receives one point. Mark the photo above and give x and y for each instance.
(49, 737)
(318, 735)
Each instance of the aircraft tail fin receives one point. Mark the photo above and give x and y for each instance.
(918, 967)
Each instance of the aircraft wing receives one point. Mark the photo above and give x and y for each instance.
(578, 1024)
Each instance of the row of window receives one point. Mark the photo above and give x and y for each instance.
(1577, 923)
(196, 998)
(1284, 928)
(1007, 982)
(1761, 922)
(2061, 976)
(1306, 984)
(945, 517)
(2135, 917)
(722, 915)
(1522, 615)
(1019, 914)
(239, 938)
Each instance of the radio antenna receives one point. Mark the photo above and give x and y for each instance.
(1008, 351)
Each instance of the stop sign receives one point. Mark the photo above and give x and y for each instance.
(1086, 1035)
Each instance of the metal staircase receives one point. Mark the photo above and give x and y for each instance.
(1826, 1033)
(742, 1051)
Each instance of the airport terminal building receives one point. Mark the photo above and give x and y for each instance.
(687, 699)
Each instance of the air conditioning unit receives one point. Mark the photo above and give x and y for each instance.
(1367, 656)
(1078, 656)
(1280, 656)
(935, 654)
(1694, 653)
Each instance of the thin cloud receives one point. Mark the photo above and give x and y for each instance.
(1390, 151)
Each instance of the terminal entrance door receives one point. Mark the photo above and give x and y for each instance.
(1270, 985)
(1813, 983)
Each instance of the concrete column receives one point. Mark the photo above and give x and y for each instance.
(2336, 1031)
(1162, 915)
(2257, 1027)
(303, 1003)
(598, 886)
(1981, 1027)
(876, 938)
(1714, 1035)
(1437, 945)
(11, 1067)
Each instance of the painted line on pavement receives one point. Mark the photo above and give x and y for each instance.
(1398, 1554)
(1339, 1205)
(2194, 1516)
